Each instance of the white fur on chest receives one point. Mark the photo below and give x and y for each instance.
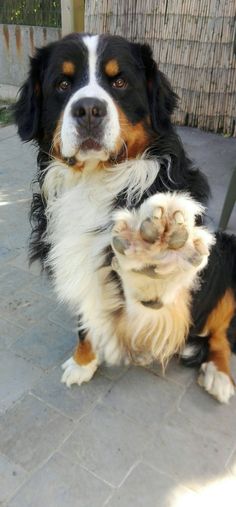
(79, 229)
(74, 218)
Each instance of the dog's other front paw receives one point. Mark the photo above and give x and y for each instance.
(75, 373)
(161, 237)
(215, 382)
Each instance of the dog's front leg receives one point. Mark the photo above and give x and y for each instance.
(82, 365)
(159, 252)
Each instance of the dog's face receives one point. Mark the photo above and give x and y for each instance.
(96, 98)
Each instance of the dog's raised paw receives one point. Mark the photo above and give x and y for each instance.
(75, 373)
(215, 382)
(161, 234)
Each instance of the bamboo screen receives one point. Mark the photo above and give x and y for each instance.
(193, 42)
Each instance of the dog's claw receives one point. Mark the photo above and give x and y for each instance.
(179, 217)
(158, 212)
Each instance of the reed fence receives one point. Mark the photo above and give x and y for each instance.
(193, 43)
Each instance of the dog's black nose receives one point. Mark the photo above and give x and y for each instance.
(89, 113)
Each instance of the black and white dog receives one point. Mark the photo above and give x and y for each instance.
(119, 213)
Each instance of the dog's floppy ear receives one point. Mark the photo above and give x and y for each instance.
(28, 106)
(162, 98)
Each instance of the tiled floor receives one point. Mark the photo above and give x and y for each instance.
(130, 437)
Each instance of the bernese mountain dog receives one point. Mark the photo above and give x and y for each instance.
(118, 216)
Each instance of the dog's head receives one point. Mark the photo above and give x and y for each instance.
(97, 98)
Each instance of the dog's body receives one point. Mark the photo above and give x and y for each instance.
(118, 218)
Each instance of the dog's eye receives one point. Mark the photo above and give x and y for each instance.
(119, 83)
(63, 85)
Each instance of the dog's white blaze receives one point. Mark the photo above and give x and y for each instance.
(69, 135)
(92, 43)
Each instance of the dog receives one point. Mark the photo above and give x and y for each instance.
(118, 217)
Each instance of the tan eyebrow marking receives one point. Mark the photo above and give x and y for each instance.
(112, 68)
(68, 68)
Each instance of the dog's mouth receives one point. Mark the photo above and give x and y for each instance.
(92, 148)
(90, 144)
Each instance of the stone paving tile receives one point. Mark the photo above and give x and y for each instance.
(144, 397)
(106, 443)
(13, 279)
(21, 261)
(14, 197)
(11, 478)
(175, 371)
(25, 308)
(75, 401)
(31, 431)
(9, 332)
(8, 132)
(180, 450)
(15, 188)
(46, 344)
(7, 254)
(60, 483)
(215, 155)
(209, 414)
(40, 285)
(17, 376)
(138, 415)
(18, 240)
(15, 151)
(113, 372)
(146, 487)
(232, 464)
(62, 317)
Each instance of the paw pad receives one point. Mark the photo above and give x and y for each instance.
(178, 237)
(120, 244)
(149, 231)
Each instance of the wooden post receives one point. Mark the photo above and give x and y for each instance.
(78, 15)
(72, 16)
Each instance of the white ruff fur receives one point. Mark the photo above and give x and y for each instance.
(74, 213)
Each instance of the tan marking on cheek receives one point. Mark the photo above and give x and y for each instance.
(68, 68)
(112, 68)
(217, 324)
(84, 353)
(137, 137)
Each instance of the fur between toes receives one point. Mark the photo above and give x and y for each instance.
(215, 382)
